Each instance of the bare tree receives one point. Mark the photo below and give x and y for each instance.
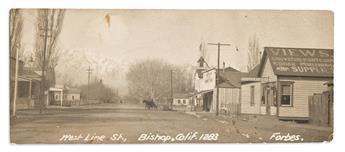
(254, 55)
(49, 26)
(150, 79)
(16, 26)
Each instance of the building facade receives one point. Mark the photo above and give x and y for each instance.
(205, 96)
(29, 81)
(63, 96)
(182, 99)
(281, 84)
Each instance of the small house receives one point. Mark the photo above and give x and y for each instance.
(281, 83)
(63, 95)
(182, 99)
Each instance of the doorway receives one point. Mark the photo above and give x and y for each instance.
(269, 92)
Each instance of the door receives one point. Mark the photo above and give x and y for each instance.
(207, 101)
(269, 99)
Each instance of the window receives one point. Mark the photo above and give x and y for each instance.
(72, 97)
(252, 95)
(178, 101)
(56, 97)
(184, 101)
(286, 89)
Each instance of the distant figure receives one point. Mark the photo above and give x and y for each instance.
(149, 104)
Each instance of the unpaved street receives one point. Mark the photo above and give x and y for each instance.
(110, 123)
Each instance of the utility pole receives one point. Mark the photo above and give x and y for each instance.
(43, 77)
(217, 75)
(89, 71)
(171, 89)
(15, 81)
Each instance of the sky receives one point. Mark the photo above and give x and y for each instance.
(175, 35)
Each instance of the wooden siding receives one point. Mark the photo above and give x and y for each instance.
(227, 96)
(302, 89)
(69, 96)
(246, 108)
(268, 71)
(208, 82)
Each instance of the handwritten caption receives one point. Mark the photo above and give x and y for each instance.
(93, 137)
(277, 136)
(145, 137)
(182, 137)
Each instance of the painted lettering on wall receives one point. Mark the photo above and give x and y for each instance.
(294, 61)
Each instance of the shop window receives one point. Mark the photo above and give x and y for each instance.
(286, 95)
(252, 95)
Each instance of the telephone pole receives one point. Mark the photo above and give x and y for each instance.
(171, 89)
(89, 71)
(217, 75)
(15, 81)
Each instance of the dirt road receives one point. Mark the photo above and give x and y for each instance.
(110, 124)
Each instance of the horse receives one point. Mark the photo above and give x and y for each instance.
(149, 104)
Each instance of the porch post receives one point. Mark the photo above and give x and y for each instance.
(61, 95)
(47, 97)
(30, 86)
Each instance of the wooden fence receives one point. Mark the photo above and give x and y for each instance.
(321, 108)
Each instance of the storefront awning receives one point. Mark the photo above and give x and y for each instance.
(203, 92)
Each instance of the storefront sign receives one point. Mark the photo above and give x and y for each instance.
(301, 62)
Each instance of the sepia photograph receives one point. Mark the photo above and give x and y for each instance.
(170, 76)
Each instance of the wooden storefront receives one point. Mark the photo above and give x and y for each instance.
(289, 76)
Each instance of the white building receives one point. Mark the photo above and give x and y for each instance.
(63, 95)
(206, 89)
(281, 84)
(182, 99)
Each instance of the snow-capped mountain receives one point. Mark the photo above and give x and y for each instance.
(73, 64)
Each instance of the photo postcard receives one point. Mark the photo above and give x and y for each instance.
(160, 76)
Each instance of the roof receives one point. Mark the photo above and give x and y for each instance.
(231, 79)
(182, 95)
(66, 89)
(255, 71)
(72, 90)
(227, 84)
(231, 69)
(201, 59)
(299, 61)
(28, 73)
(227, 69)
